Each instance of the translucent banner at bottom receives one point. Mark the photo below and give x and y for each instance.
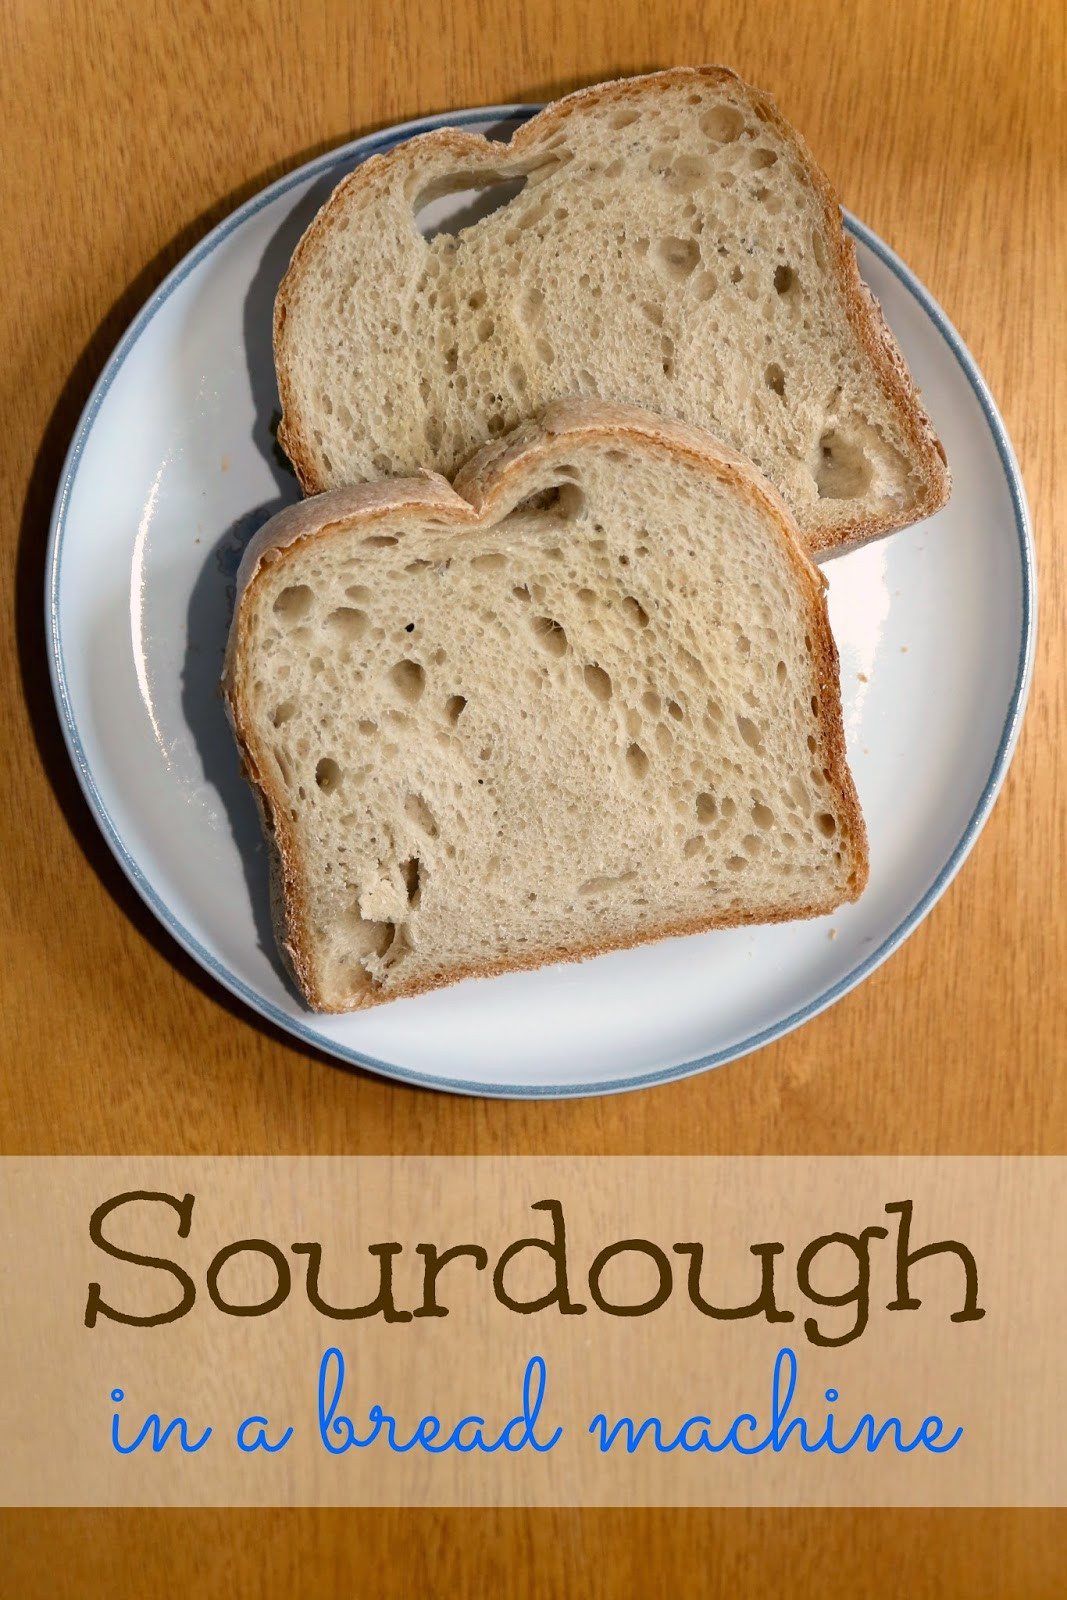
(513, 1331)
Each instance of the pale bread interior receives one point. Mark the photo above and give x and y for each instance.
(598, 708)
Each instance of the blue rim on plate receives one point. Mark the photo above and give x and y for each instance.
(348, 155)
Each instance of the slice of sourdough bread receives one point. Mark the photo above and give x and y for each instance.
(673, 246)
(587, 698)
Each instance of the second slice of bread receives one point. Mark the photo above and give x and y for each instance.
(673, 245)
(586, 698)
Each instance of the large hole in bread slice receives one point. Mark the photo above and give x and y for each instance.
(463, 201)
(457, 200)
(841, 469)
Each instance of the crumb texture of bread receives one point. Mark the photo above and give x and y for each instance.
(591, 704)
(664, 241)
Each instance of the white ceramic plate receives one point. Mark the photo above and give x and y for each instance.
(172, 468)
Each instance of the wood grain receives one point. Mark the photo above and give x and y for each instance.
(128, 130)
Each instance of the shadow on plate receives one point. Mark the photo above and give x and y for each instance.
(212, 597)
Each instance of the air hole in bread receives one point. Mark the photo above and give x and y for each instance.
(598, 682)
(826, 824)
(348, 622)
(293, 603)
(491, 561)
(454, 706)
(411, 872)
(736, 274)
(818, 250)
(842, 471)
(653, 312)
(409, 680)
(636, 761)
(694, 846)
(635, 610)
(599, 885)
(549, 635)
(707, 807)
(762, 157)
(379, 541)
(545, 350)
(368, 938)
(675, 710)
(781, 672)
(749, 732)
(762, 815)
(689, 173)
(676, 258)
(471, 196)
(623, 118)
(736, 863)
(784, 279)
(283, 712)
(722, 124)
(417, 811)
(328, 775)
(531, 307)
(562, 499)
(774, 378)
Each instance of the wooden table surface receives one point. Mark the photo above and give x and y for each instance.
(129, 130)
